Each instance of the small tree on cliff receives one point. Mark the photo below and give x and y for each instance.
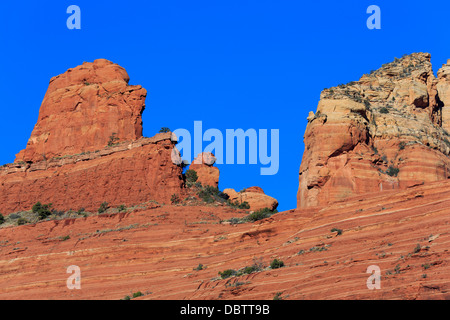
(191, 177)
(43, 210)
(112, 139)
(164, 130)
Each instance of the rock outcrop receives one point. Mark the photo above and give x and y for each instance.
(203, 166)
(385, 131)
(129, 173)
(156, 251)
(85, 109)
(87, 147)
(254, 196)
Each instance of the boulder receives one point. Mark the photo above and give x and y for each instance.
(254, 196)
(207, 174)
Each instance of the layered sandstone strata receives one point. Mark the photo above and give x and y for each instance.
(129, 173)
(385, 131)
(85, 109)
(157, 250)
(207, 174)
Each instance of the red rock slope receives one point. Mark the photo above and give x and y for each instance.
(155, 251)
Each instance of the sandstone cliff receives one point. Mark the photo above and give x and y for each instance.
(386, 131)
(87, 147)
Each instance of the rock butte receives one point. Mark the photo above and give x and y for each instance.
(84, 109)
(87, 147)
(389, 130)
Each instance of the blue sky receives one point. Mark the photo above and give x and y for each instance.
(230, 64)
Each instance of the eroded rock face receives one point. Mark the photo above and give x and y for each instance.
(385, 131)
(87, 147)
(255, 197)
(85, 109)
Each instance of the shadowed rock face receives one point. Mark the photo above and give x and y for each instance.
(85, 109)
(385, 131)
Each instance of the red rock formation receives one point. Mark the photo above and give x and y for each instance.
(129, 173)
(381, 132)
(203, 166)
(85, 109)
(254, 196)
(86, 147)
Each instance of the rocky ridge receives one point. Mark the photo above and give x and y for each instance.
(385, 131)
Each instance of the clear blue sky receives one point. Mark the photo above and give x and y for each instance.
(231, 64)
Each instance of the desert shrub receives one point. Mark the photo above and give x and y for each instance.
(236, 220)
(253, 268)
(21, 221)
(227, 273)
(103, 207)
(384, 110)
(191, 177)
(164, 130)
(13, 216)
(199, 267)
(112, 140)
(275, 264)
(2, 219)
(58, 213)
(392, 171)
(339, 231)
(402, 145)
(277, 296)
(43, 210)
(121, 208)
(261, 214)
(137, 294)
(175, 199)
(239, 205)
(210, 194)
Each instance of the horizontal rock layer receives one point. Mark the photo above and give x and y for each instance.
(128, 173)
